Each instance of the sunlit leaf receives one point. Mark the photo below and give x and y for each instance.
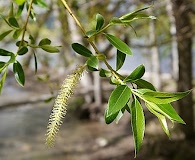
(137, 123)
(92, 62)
(20, 9)
(100, 22)
(161, 118)
(19, 2)
(119, 44)
(82, 50)
(50, 49)
(118, 99)
(136, 74)
(19, 73)
(120, 59)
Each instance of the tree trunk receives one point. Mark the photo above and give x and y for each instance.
(184, 40)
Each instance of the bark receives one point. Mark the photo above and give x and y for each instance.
(184, 27)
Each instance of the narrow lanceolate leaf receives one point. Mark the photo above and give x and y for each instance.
(119, 44)
(160, 117)
(110, 118)
(50, 49)
(4, 52)
(4, 34)
(136, 74)
(19, 2)
(141, 83)
(137, 123)
(163, 97)
(82, 50)
(167, 110)
(100, 22)
(118, 99)
(59, 110)
(19, 73)
(120, 59)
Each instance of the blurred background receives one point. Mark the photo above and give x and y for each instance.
(165, 46)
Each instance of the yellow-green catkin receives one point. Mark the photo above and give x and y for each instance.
(59, 109)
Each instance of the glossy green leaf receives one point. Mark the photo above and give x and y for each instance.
(167, 110)
(105, 73)
(50, 49)
(23, 50)
(13, 22)
(82, 50)
(118, 99)
(130, 15)
(136, 74)
(44, 41)
(100, 22)
(4, 52)
(92, 62)
(19, 2)
(163, 97)
(119, 44)
(141, 83)
(19, 73)
(120, 59)
(4, 34)
(110, 118)
(137, 123)
(2, 81)
(161, 119)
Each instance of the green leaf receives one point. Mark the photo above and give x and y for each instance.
(162, 97)
(17, 33)
(20, 9)
(82, 50)
(4, 34)
(23, 50)
(120, 45)
(141, 83)
(161, 118)
(24, 43)
(130, 15)
(136, 74)
(19, 73)
(116, 20)
(50, 49)
(11, 12)
(110, 118)
(19, 2)
(5, 52)
(44, 41)
(92, 62)
(91, 33)
(167, 110)
(120, 59)
(105, 73)
(118, 99)
(3, 81)
(32, 39)
(100, 22)
(13, 22)
(137, 123)
(41, 3)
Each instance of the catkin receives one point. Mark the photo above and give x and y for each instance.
(59, 109)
